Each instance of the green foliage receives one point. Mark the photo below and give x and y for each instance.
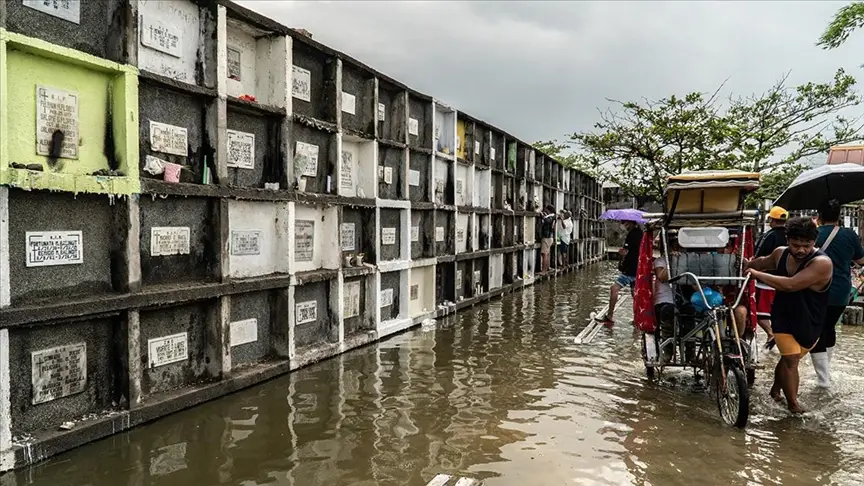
(561, 152)
(846, 20)
(637, 145)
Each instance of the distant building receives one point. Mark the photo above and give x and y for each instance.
(843, 154)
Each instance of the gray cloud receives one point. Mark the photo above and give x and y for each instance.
(540, 70)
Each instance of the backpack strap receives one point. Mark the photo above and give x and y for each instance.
(830, 239)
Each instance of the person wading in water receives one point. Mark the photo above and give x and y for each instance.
(801, 278)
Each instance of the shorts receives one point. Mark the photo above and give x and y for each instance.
(764, 301)
(625, 281)
(546, 245)
(664, 313)
(788, 346)
(563, 247)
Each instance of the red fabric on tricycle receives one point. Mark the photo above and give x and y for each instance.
(749, 297)
(643, 297)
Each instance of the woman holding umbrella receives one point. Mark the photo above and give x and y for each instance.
(844, 248)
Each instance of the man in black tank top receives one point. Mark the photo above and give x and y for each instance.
(801, 277)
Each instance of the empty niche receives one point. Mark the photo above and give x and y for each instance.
(464, 182)
(314, 244)
(357, 236)
(392, 286)
(254, 149)
(496, 150)
(445, 283)
(44, 401)
(38, 222)
(169, 39)
(421, 291)
(174, 348)
(510, 166)
(522, 196)
(176, 244)
(391, 170)
(171, 131)
(444, 135)
(481, 145)
(497, 230)
(391, 234)
(483, 187)
(252, 54)
(496, 271)
(510, 268)
(249, 330)
(509, 231)
(358, 98)
(258, 238)
(357, 168)
(314, 159)
(539, 162)
(96, 27)
(314, 324)
(443, 181)
(463, 232)
(422, 234)
(419, 122)
(480, 278)
(463, 286)
(484, 232)
(356, 317)
(419, 176)
(497, 200)
(313, 78)
(522, 159)
(444, 232)
(508, 193)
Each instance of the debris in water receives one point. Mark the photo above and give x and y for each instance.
(67, 426)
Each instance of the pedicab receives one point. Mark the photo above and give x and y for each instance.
(705, 235)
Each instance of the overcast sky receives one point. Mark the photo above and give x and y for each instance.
(540, 70)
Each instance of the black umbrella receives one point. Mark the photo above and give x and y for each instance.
(843, 182)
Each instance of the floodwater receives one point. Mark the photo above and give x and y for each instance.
(499, 393)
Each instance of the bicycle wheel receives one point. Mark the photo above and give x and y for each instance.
(734, 401)
(649, 370)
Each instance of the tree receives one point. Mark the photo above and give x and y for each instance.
(846, 20)
(560, 152)
(637, 145)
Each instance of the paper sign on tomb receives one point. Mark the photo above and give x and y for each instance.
(386, 297)
(309, 154)
(49, 248)
(439, 233)
(168, 139)
(245, 242)
(169, 240)
(349, 103)
(381, 110)
(241, 150)
(304, 240)
(57, 109)
(351, 303)
(477, 147)
(460, 235)
(492, 153)
(413, 177)
(388, 236)
(415, 234)
(306, 312)
(346, 176)
(388, 175)
(58, 372)
(458, 279)
(165, 350)
(301, 83)
(348, 236)
(415, 292)
(413, 126)
(244, 332)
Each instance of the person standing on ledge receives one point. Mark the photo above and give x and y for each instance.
(801, 278)
(565, 232)
(547, 236)
(769, 241)
(627, 266)
(843, 247)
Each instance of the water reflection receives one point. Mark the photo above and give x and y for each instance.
(499, 392)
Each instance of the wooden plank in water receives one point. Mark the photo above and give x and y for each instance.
(439, 480)
(444, 480)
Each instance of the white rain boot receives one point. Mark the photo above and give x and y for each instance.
(823, 373)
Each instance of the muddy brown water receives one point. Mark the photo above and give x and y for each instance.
(499, 393)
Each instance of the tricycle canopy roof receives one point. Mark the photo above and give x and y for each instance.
(709, 192)
(702, 179)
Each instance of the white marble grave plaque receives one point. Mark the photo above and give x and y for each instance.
(69, 10)
(161, 37)
(352, 299)
(459, 187)
(169, 240)
(492, 153)
(346, 176)
(460, 235)
(245, 242)
(413, 126)
(309, 153)
(415, 291)
(388, 236)
(458, 279)
(49, 248)
(415, 234)
(388, 175)
(386, 297)
(349, 103)
(57, 109)
(168, 139)
(439, 233)
(165, 350)
(476, 147)
(58, 372)
(244, 332)
(348, 236)
(304, 240)
(241, 150)
(381, 112)
(306, 312)
(301, 83)
(413, 177)
(234, 63)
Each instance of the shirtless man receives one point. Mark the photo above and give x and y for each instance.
(801, 278)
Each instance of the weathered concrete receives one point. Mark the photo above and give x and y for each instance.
(322, 71)
(326, 143)
(365, 235)
(393, 126)
(392, 158)
(324, 329)
(424, 247)
(445, 233)
(391, 281)
(421, 163)
(258, 306)
(360, 84)
(391, 219)
(420, 110)
(268, 162)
